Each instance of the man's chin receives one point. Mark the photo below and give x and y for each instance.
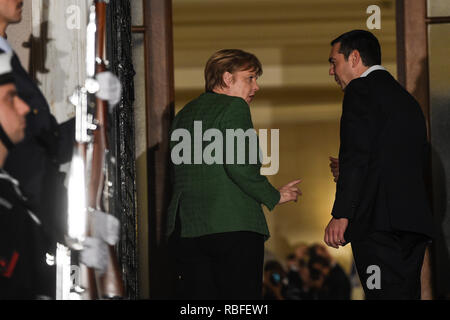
(19, 137)
(17, 18)
(341, 85)
(15, 21)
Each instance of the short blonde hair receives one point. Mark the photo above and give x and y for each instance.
(229, 60)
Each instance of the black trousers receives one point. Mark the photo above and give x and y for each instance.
(219, 266)
(389, 264)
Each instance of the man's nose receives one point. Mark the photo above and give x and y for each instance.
(331, 71)
(22, 106)
(256, 87)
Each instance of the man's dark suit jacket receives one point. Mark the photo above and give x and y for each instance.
(382, 157)
(35, 161)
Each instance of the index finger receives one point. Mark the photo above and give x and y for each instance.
(341, 237)
(293, 183)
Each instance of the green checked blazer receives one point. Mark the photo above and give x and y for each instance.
(218, 198)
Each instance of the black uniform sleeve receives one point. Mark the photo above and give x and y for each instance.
(66, 135)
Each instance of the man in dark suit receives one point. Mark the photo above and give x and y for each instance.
(381, 204)
(215, 219)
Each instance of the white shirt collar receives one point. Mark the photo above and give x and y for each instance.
(372, 68)
(4, 45)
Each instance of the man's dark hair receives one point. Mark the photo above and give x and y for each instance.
(314, 272)
(363, 41)
(324, 262)
(273, 265)
(290, 256)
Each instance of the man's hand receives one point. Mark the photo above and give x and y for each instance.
(290, 192)
(334, 165)
(334, 232)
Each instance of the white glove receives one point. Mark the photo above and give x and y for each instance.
(106, 227)
(105, 232)
(95, 254)
(110, 88)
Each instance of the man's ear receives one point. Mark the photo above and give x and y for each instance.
(355, 58)
(227, 78)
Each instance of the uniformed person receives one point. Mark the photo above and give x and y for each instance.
(35, 162)
(23, 242)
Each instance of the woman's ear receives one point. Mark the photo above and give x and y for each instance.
(227, 78)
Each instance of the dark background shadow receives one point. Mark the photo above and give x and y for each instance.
(441, 215)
